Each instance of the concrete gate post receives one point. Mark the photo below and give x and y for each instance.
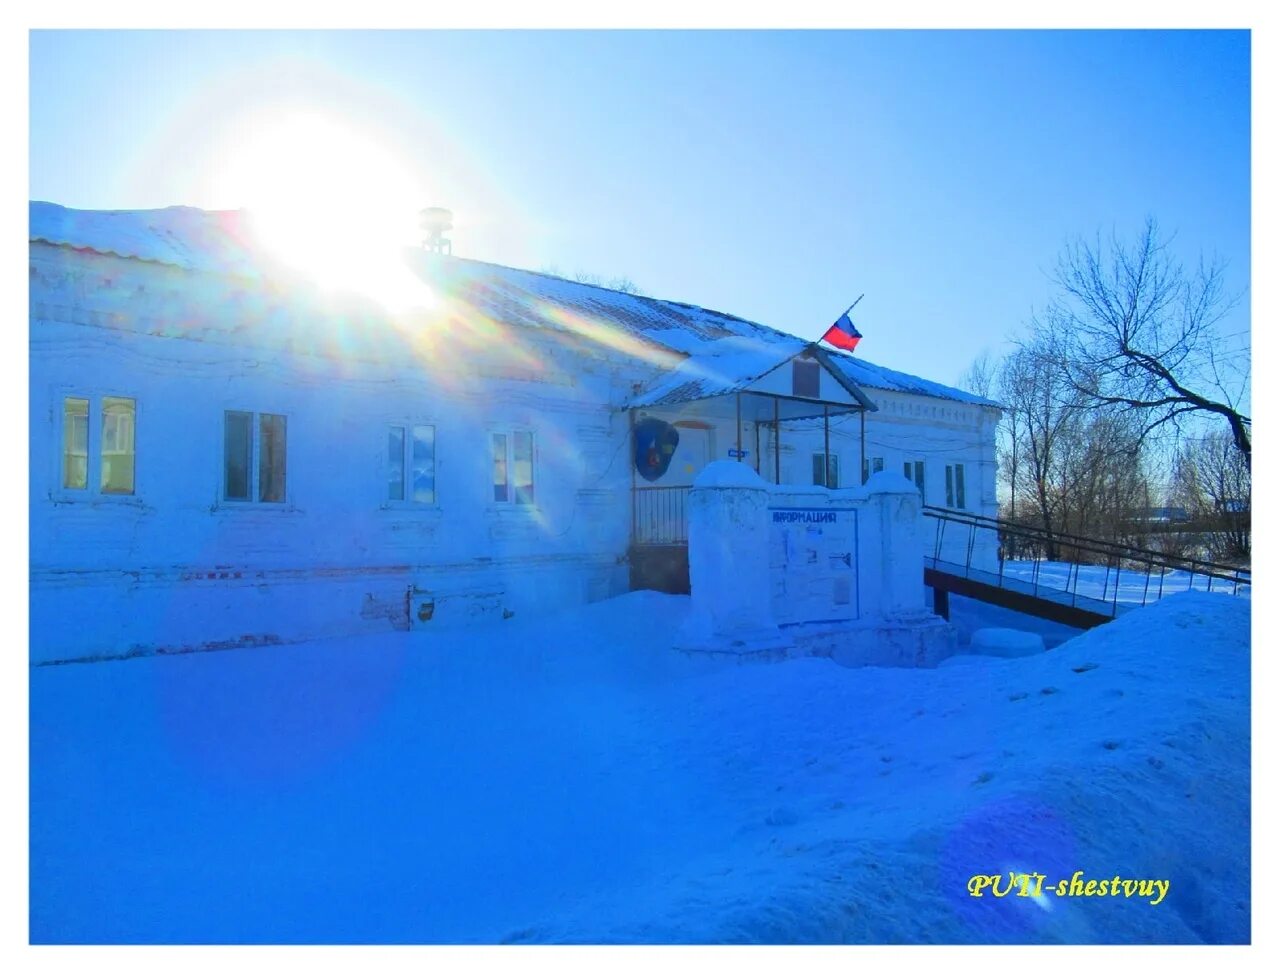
(894, 505)
(730, 587)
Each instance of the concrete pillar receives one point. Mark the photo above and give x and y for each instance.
(729, 581)
(894, 504)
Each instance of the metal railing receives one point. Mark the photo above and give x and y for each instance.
(658, 516)
(1153, 567)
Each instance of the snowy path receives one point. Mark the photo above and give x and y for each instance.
(568, 779)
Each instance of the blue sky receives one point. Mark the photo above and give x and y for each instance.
(774, 175)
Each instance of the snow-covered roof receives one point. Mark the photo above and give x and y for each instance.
(730, 365)
(182, 236)
(223, 242)
(862, 373)
(727, 366)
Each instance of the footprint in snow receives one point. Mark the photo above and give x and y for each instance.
(781, 816)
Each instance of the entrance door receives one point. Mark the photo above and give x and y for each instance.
(694, 451)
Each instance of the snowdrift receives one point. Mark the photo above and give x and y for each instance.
(570, 780)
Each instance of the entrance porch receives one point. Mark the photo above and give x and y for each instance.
(677, 431)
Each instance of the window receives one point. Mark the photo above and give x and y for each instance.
(242, 479)
(805, 377)
(913, 470)
(955, 485)
(75, 443)
(117, 444)
(113, 443)
(832, 477)
(411, 464)
(871, 465)
(512, 467)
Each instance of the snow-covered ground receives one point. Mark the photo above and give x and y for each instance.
(572, 779)
(970, 615)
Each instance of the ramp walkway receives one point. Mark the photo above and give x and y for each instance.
(1066, 578)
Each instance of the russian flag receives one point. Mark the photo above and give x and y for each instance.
(843, 334)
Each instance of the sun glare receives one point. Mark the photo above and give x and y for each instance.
(331, 202)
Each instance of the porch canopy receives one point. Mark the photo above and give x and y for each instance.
(765, 382)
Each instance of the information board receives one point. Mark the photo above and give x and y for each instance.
(813, 564)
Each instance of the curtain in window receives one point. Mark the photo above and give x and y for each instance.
(522, 467)
(424, 464)
(395, 463)
(118, 457)
(75, 443)
(499, 467)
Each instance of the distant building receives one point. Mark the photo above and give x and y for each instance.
(223, 455)
(1166, 515)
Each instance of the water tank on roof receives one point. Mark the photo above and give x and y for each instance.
(435, 221)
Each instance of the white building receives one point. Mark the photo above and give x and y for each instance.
(223, 455)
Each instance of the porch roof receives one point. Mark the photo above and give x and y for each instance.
(734, 364)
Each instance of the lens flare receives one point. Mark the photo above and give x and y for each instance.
(331, 202)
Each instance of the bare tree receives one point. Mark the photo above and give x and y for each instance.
(1008, 382)
(1106, 489)
(1134, 330)
(1036, 401)
(623, 284)
(1070, 470)
(981, 375)
(1213, 483)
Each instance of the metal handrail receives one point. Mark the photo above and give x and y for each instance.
(1111, 552)
(1097, 546)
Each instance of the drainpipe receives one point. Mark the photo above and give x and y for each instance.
(826, 447)
(777, 445)
(862, 442)
(737, 412)
(631, 416)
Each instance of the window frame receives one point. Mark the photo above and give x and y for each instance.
(406, 503)
(871, 466)
(955, 487)
(253, 501)
(807, 372)
(919, 476)
(831, 458)
(92, 492)
(510, 432)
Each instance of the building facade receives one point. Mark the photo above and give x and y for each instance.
(223, 455)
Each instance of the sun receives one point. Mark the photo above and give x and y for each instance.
(330, 200)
